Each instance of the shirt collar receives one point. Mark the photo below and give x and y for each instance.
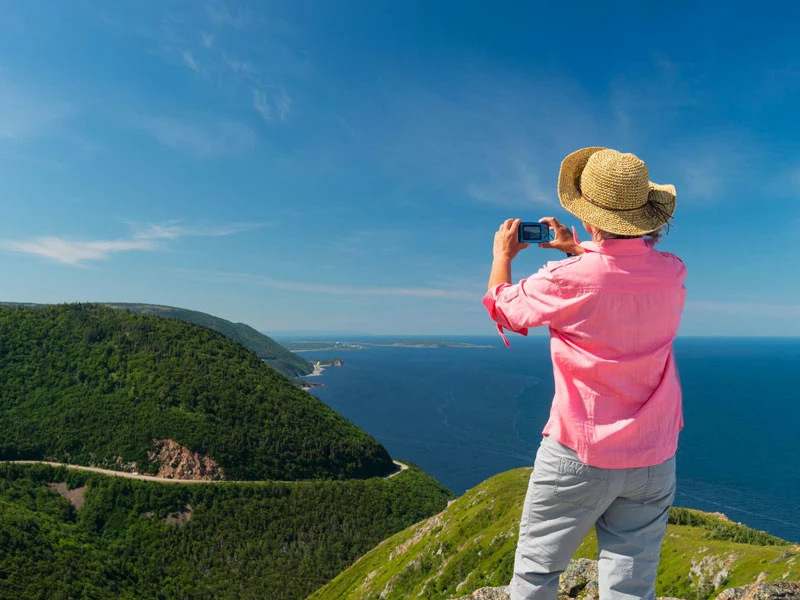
(615, 247)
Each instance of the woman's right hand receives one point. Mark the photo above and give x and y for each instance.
(565, 239)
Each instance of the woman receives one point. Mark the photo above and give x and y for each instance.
(607, 456)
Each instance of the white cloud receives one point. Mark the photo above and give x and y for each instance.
(262, 105)
(190, 62)
(338, 290)
(201, 40)
(77, 253)
(222, 16)
(171, 230)
(272, 104)
(212, 137)
(145, 237)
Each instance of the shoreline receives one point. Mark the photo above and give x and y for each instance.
(318, 370)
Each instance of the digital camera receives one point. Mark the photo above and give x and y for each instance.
(534, 233)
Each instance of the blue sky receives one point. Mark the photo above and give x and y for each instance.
(344, 165)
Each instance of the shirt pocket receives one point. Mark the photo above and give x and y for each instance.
(581, 485)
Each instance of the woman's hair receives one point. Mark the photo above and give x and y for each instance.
(654, 236)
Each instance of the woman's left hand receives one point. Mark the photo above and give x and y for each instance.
(506, 244)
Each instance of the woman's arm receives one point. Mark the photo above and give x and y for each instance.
(506, 248)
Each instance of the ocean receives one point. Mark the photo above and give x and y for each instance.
(465, 414)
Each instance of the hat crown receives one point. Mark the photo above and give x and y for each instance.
(615, 181)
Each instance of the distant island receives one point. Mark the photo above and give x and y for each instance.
(323, 346)
(428, 344)
(320, 346)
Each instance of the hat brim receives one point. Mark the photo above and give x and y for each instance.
(630, 222)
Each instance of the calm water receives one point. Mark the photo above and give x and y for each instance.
(465, 414)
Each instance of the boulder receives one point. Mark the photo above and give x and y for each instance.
(766, 590)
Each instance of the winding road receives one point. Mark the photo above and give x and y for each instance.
(126, 475)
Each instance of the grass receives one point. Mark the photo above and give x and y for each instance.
(471, 545)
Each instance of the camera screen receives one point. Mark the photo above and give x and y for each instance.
(533, 233)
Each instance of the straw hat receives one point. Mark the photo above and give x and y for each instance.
(613, 191)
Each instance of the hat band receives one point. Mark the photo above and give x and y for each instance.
(598, 205)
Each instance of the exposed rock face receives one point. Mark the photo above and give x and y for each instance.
(501, 593)
(580, 575)
(782, 590)
(711, 572)
(74, 496)
(180, 518)
(177, 518)
(579, 581)
(488, 593)
(178, 462)
(434, 521)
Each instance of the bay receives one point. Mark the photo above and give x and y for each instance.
(465, 414)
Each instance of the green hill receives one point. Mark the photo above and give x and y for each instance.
(267, 349)
(471, 545)
(92, 385)
(140, 540)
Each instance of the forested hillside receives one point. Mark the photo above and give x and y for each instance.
(94, 385)
(267, 349)
(132, 539)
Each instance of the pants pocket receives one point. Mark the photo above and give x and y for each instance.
(661, 482)
(581, 485)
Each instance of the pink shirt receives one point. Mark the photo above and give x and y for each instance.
(613, 313)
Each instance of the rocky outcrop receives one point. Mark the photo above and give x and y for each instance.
(579, 581)
(488, 593)
(711, 572)
(179, 518)
(775, 590)
(178, 462)
(75, 496)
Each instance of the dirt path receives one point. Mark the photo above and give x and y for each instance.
(403, 467)
(126, 475)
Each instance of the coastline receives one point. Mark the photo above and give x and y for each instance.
(319, 369)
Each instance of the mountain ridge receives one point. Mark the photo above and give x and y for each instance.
(265, 347)
(94, 385)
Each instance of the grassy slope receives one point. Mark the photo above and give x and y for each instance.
(471, 544)
(267, 349)
(257, 540)
(93, 385)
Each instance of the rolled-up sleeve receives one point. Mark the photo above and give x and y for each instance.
(530, 303)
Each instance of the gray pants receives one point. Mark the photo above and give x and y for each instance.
(566, 498)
